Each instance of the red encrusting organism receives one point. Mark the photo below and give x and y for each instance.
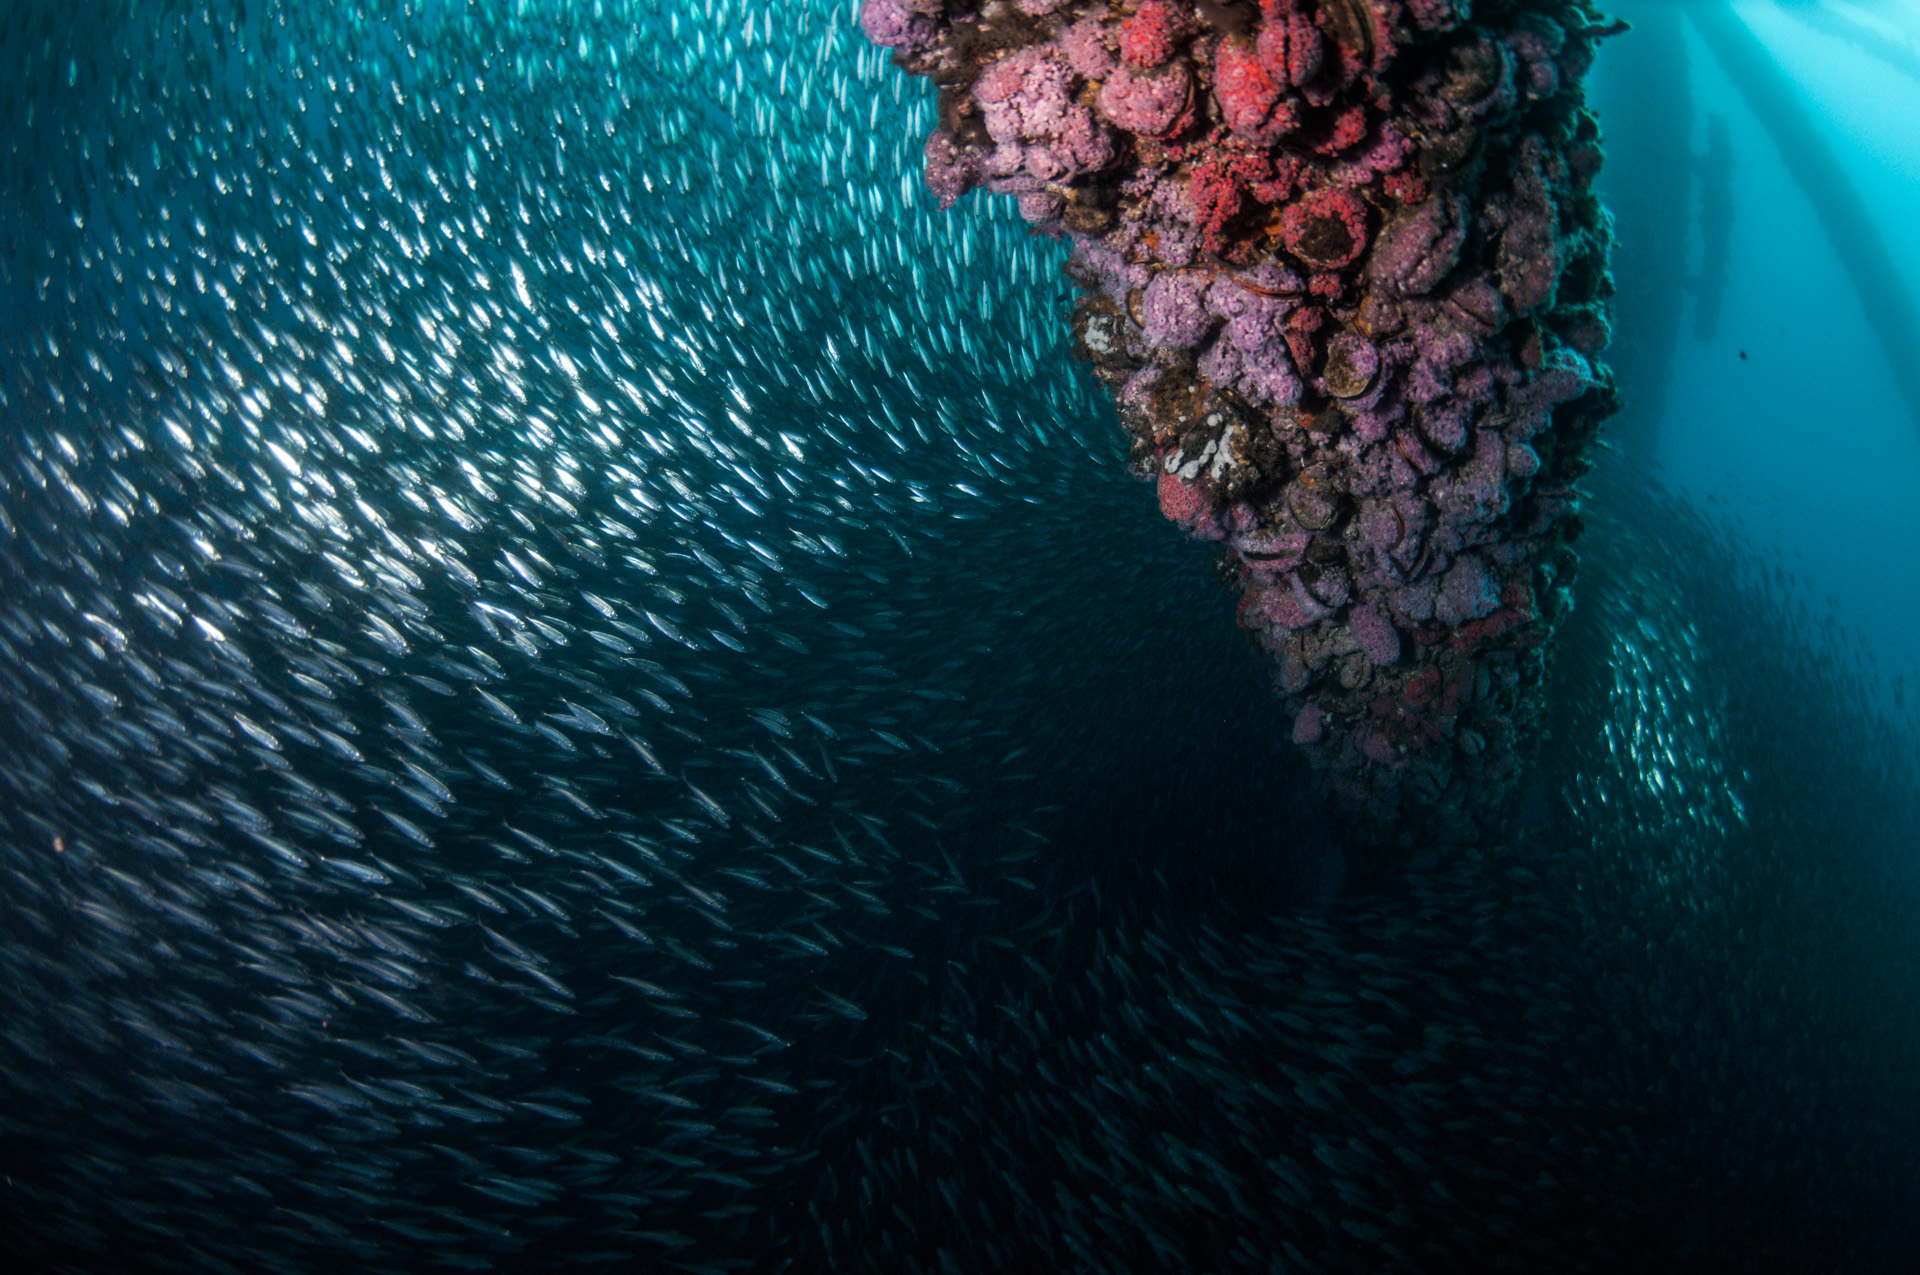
(1325, 228)
(1182, 502)
(1150, 36)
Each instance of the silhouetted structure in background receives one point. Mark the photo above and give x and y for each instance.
(1902, 58)
(1842, 212)
(1716, 228)
(1648, 131)
(1647, 189)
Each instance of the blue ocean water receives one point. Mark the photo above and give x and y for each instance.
(1784, 418)
(584, 688)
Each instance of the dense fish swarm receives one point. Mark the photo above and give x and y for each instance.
(560, 711)
(1346, 278)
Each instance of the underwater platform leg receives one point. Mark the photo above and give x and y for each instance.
(1345, 274)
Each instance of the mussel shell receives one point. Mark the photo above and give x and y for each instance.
(1314, 505)
(1351, 365)
(1330, 586)
(1351, 23)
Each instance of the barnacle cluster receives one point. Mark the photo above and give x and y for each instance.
(1345, 275)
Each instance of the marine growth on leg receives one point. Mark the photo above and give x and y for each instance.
(1344, 273)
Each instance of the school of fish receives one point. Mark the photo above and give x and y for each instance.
(578, 692)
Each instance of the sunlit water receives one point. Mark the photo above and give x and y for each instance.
(583, 688)
(1785, 422)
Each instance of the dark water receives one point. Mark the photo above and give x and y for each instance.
(878, 850)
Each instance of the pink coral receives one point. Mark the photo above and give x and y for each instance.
(1433, 15)
(1374, 744)
(1024, 95)
(893, 24)
(1421, 247)
(951, 172)
(1269, 377)
(1290, 49)
(1040, 208)
(1149, 103)
(1085, 46)
(1382, 151)
(1291, 606)
(1216, 199)
(1082, 143)
(1150, 36)
(1044, 135)
(1252, 102)
(1181, 502)
(1373, 630)
(1270, 46)
(1346, 129)
(1174, 311)
(1467, 591)
(1306, 51)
